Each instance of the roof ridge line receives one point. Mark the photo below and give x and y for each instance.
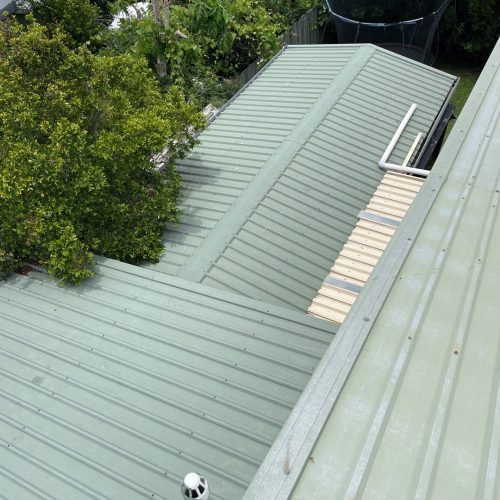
(198, 264)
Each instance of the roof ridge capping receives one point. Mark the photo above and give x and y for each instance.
(198, 264)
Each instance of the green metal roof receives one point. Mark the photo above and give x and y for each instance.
(241, 140)
(279, 178)
(419, 414)
(118, 388)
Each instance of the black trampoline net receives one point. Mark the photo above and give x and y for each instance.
(408, 27)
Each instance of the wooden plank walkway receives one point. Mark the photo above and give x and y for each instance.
(360, 254)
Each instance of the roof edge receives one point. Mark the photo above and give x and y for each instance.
(377, 48)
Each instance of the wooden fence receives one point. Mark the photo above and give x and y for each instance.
(304, 31)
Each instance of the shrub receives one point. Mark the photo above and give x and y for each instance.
(470, 28)
(76, 134)
(78, 18)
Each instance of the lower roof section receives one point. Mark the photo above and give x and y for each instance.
(419, 415)
(118, 388)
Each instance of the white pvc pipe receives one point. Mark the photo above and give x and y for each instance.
(397, 134)
(404, 170)
(395, 138)
(412, 149)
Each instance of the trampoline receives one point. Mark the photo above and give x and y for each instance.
(407, 27)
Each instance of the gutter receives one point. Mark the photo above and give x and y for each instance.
(438, 128)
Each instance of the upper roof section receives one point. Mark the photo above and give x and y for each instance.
(118, 388)
(275, 187)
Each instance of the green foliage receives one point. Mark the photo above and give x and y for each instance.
(105, 6)
(78, 18)
(8, 263)
(222, 38)
(218, 40)
(255, 37)
(470, 29)
(210, 22)
(76, 133)
(135, 36)
(231, 34)
(144, 38)
(289, 11)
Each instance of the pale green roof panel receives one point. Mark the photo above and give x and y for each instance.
(283, 251)
(118, 388)
(239, 142)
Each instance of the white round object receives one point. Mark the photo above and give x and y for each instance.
(192, 480)
(195, 486)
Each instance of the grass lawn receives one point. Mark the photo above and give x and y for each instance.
(468, 77)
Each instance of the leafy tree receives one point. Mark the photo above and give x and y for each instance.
(209, 20)
(290, 11)
(76, 135)
(202, 37)
(143, 37)
(233, 34)
(78, 18)
(203, 45)
(470, 28)
(256, 36)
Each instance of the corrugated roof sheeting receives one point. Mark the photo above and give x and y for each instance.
(266, 207)
(119, 388)
(239, 142)
(419, 416)
(283, 251)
